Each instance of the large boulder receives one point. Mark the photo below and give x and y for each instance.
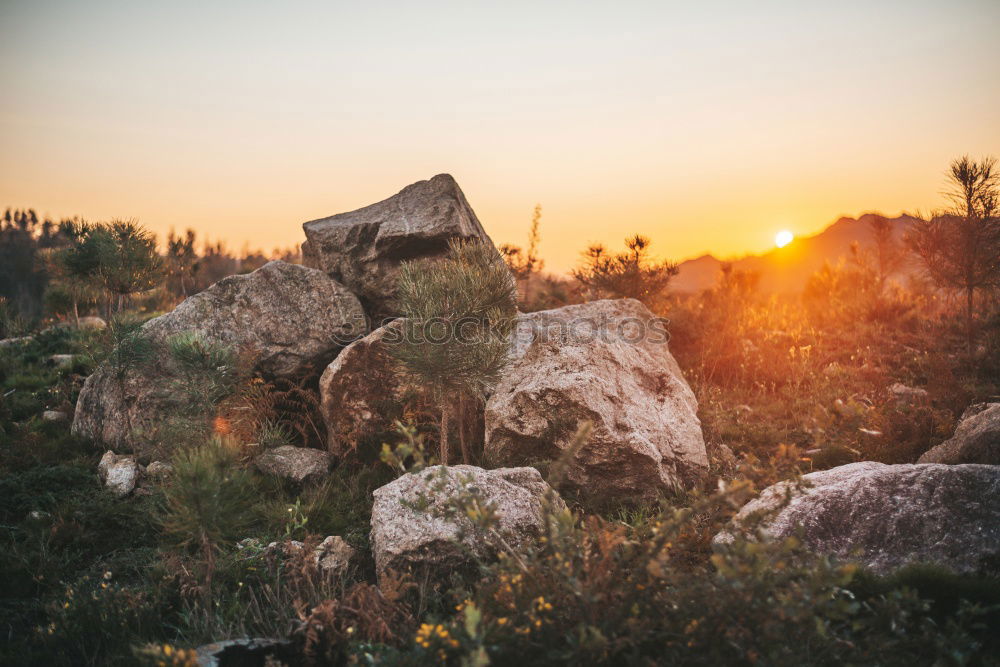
(298, 464)
(290, 319)
(606, 362)
(364, 390)
(976, 439)
(415, 525)
(360, 390)
(886, 516)
(363, 249)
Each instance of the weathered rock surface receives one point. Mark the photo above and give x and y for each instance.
(118, 473)
(887, 516)
(298, 464)
(248, 651)
(334, 555)
(363, 249)
(288, 317)
(91, 322)
(159, 470)
(976, 439)
(356, 390)
(54, 416)
(362, 392)
(606, 362)
(62, 361)
(10, 342)
(412, 528)
(905, 395)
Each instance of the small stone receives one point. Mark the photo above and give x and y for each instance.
(904, 395)
(298, 464)
(62, 361)
(334, 555)
(119, 473)
(159, 470)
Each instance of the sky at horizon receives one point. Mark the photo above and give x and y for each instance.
(706, 126)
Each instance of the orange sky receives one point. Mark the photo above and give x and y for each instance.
(706, 128)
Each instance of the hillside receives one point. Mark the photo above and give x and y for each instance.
(786, 270)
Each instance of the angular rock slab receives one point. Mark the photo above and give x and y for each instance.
(289, 317)
(298, 464)
(363, 249)
(886, 516)
(606, 362)
(412, 529)
(976, 439)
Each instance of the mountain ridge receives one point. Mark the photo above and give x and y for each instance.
(786, 270)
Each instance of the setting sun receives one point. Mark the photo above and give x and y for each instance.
(783, 238)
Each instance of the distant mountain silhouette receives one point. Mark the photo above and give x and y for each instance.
(786, 270)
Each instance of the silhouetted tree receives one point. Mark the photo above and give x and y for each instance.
(889, 256)
(631, 274)
(181, 262)
(961, 248)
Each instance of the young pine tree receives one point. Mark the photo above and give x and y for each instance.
(460, 312)
(961, 248)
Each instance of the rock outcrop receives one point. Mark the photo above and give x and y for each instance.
(118, 473)
(415, 527)
(362, 249)
(886, 516)
(606, 362)
(976, 439)
(290, 319)
(301, 465)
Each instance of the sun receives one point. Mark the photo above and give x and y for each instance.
(783, 238)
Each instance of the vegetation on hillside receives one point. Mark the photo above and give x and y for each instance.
(786, 385)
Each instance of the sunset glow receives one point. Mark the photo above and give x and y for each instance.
(616, 120)
(783, 238)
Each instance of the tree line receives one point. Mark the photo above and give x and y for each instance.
(70, 267)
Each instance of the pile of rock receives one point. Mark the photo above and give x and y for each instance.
(122, 474)
(607, 363)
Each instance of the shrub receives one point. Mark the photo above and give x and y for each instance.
(460, 312)
(205, 505)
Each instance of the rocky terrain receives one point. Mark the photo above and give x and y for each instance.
(594, 469)
(605, 363)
